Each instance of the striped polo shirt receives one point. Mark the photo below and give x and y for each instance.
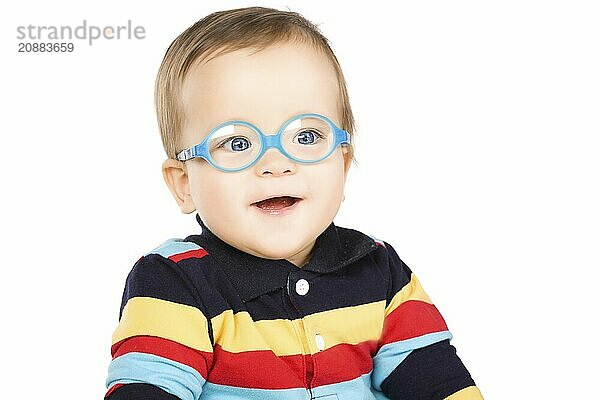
(201, 319)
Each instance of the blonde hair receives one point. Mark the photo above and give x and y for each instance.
(225, 31)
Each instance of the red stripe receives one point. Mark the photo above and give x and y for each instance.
(247, 369)
(112, 389)
(343, 362)
(411, 319)
(198, 253)
(199, 360)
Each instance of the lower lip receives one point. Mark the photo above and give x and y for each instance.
(282, 211)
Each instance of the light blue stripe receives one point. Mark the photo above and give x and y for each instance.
(173, 246)
(392, 354)
(355, 389)
(175, 378)
(213, 391)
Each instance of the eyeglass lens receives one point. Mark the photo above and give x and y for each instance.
(237, 145)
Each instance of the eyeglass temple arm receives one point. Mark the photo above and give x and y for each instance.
(187, 154)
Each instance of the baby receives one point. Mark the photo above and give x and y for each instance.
(271, 300)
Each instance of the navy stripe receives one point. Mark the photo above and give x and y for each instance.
(361, 283)
(140, 391)
(433, 372)
(191, 280)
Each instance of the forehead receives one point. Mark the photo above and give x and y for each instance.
(265, 88)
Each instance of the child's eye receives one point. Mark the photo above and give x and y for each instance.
(236, 143)
(309, 136)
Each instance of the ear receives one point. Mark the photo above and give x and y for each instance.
(347, 160)
(347, 163)
(177, 179)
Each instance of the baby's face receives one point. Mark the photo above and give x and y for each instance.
(265, 89)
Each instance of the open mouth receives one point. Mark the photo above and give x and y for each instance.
(275, 204)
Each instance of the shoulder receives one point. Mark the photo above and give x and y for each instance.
(350, 236)
(380, 249)
(165, 270)
(385, 249)
(384, 254)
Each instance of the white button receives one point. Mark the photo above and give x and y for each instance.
(320, 342)
(302, 287)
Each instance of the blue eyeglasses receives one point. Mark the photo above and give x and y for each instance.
(236, 145)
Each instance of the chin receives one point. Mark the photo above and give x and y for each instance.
(280, 246)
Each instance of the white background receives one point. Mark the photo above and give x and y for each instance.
(477, 140)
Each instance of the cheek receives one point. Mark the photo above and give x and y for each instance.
(211, 188)
(329, 180)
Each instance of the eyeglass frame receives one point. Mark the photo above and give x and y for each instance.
(267, 141)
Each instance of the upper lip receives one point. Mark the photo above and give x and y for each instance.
(277, 195)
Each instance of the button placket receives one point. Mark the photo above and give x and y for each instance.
(298, 289)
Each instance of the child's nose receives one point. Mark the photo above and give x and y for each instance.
(273, 162)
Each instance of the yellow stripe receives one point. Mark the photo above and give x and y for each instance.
(411, 291)
(238, 332)
(468, 393)
(350, 325)
(154, 317)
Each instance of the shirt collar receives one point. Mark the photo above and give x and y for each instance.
(253, 276)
